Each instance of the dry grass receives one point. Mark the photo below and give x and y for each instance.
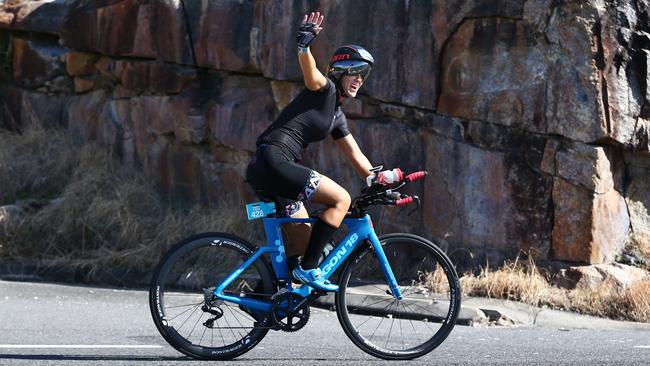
(610, 301)
(518, 281)
(635, 301)
(639, 246)
(36, 164)
(523, 281)
(96, 214)
(436, 281)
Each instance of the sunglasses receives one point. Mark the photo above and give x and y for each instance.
(354, 68)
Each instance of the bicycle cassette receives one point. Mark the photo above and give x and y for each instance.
(288, 314)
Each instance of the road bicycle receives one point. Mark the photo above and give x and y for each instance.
(215, 296)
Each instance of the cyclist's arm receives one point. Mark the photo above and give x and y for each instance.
(349, 147)
(314, 79)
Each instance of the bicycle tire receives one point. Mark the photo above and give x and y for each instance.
(442, 304)
(185, 273)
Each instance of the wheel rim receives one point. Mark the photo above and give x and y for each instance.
(419, 322)
(186, 281)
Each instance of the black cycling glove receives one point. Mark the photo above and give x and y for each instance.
(306, 34)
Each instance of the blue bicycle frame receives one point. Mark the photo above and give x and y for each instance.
(360, 230)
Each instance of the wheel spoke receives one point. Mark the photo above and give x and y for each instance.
(379, 311)
(221, 334)
(391, 327)
(239, 311)
(377, 302)
(188, 318)
(414, 330)
(425, 310)
(358, 306)
(195, 324)
(426, 323)
(375, 331)
(178, 306)
(237, 319)
(232, 329)
(190, 309)
(401, 334)
(203, 334)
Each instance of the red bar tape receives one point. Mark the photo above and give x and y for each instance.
(415, 176)
(404, 201)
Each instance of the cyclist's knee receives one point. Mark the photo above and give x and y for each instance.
(344, 200)
(332, 195)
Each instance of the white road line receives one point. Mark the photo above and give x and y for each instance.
(641, 346)
(79, 346)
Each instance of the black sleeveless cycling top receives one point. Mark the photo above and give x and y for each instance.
(310, 117)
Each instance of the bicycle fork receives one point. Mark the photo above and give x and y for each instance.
(385, 266)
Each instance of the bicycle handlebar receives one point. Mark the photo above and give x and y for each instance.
(387, 194)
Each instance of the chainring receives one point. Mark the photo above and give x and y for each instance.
(285, 316)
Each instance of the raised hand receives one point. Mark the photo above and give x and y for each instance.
(315, 19)
(309, 28)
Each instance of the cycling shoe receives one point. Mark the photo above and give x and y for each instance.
(314, 278)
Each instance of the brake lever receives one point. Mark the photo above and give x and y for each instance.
(375, 188)
(417, 206)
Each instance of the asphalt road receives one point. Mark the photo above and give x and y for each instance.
(47, 324)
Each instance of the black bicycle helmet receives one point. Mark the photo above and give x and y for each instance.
(349, 60)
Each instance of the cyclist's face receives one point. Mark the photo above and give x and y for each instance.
(351, 85)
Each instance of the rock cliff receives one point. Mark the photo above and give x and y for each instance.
(533, 117)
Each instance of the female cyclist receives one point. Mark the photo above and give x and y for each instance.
(313, 115)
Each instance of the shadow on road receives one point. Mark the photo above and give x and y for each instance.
(50, 357)
(91, 357)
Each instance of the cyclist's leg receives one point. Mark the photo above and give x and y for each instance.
(297, 233)
(326, 191)
(337, 200)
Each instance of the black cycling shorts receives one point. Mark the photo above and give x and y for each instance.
(275, 176)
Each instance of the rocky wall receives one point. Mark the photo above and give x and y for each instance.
(532, 116)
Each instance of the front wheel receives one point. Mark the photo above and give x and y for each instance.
(395, 329)
(185, 309)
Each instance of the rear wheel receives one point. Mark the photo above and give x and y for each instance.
(399, 329)
(187, 313)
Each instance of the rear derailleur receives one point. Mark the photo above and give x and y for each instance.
(211, 306)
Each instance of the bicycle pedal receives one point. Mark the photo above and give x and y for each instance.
(316, 294)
